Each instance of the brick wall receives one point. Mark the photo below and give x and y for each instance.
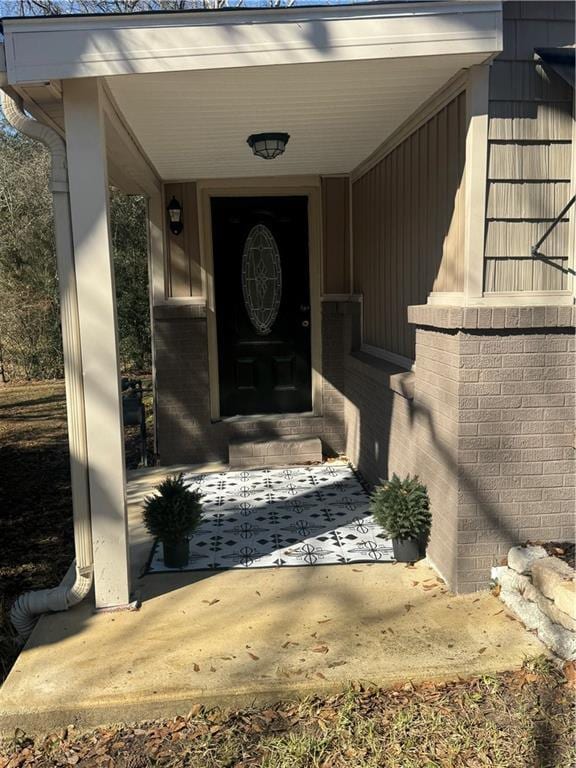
(495, 436)
(489, 428)
(379, 418)
(516, 444)
(436, 413)
(186, 433)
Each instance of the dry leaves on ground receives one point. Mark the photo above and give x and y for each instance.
(514, 720)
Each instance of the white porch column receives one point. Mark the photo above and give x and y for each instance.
(89, 202)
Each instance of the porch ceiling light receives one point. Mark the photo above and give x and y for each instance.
(175, 216)
(268, 145)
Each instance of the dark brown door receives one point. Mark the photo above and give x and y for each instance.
(261, 273)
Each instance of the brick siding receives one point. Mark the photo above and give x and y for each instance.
(489, 430)
(516, 445)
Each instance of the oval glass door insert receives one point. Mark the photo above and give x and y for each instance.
(261, 278)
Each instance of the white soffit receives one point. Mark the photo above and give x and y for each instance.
(195, 124)
(51, 48)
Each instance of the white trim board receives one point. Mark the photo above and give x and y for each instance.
(48, 48)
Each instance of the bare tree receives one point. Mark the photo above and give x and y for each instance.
(64, 7)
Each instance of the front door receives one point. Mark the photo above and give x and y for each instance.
(262, 291)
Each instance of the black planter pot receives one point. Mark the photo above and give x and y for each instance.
(423, 540)
(176, 553)
(406, 550)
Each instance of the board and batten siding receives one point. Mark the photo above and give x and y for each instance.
(336, 234)
(408, 227)
(183, 263)
(529, 152)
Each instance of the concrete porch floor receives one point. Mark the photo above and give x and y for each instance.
(232, 638)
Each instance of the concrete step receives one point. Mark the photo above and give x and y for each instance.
(274, 452)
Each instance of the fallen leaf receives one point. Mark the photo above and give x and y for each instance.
(408, 607)
(196, 668)
(320, 649)
(569, 669)
(253, 656)
(481, 650)
(211, 602)
(324, 621)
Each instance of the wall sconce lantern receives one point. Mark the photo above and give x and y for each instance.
(175, 216)
(268, 145)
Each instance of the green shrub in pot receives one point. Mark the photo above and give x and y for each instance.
(172, 515)
(402, 508)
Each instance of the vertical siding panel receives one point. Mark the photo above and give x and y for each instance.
(346, 216)
(378, 249)
(368, 241)
(408, 230)
(392, 292)
(326, 234)
(193, 239)
(413, 279)
(336, 235)
(178, 251)
(462, 187)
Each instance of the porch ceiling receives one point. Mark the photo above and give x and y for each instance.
(194, 124)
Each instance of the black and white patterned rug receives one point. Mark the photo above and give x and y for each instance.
(282, 517)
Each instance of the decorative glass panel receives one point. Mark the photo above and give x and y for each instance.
(261, 278)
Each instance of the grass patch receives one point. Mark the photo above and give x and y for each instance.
(513, 720)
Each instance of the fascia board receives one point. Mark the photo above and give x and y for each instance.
(41, 49)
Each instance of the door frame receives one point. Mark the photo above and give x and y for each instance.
(289, 186)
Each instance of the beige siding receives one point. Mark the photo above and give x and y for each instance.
(183, 270)
(530, 132)
(408, 227)
(336, 234)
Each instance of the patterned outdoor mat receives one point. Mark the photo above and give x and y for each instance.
(282, 517)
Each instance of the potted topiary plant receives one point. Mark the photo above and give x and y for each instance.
(171, 516)
(402, 508)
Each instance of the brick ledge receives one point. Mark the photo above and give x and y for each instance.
(492, 317)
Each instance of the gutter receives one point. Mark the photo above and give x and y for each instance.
(30, 605)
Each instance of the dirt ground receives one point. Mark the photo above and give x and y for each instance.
(36, 542)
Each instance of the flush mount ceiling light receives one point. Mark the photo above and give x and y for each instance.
(268, 145)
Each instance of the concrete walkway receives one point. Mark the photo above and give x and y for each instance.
(232, 638)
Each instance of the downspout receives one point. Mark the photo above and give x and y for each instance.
(30, 605)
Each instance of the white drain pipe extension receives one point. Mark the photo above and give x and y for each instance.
(30, 605)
